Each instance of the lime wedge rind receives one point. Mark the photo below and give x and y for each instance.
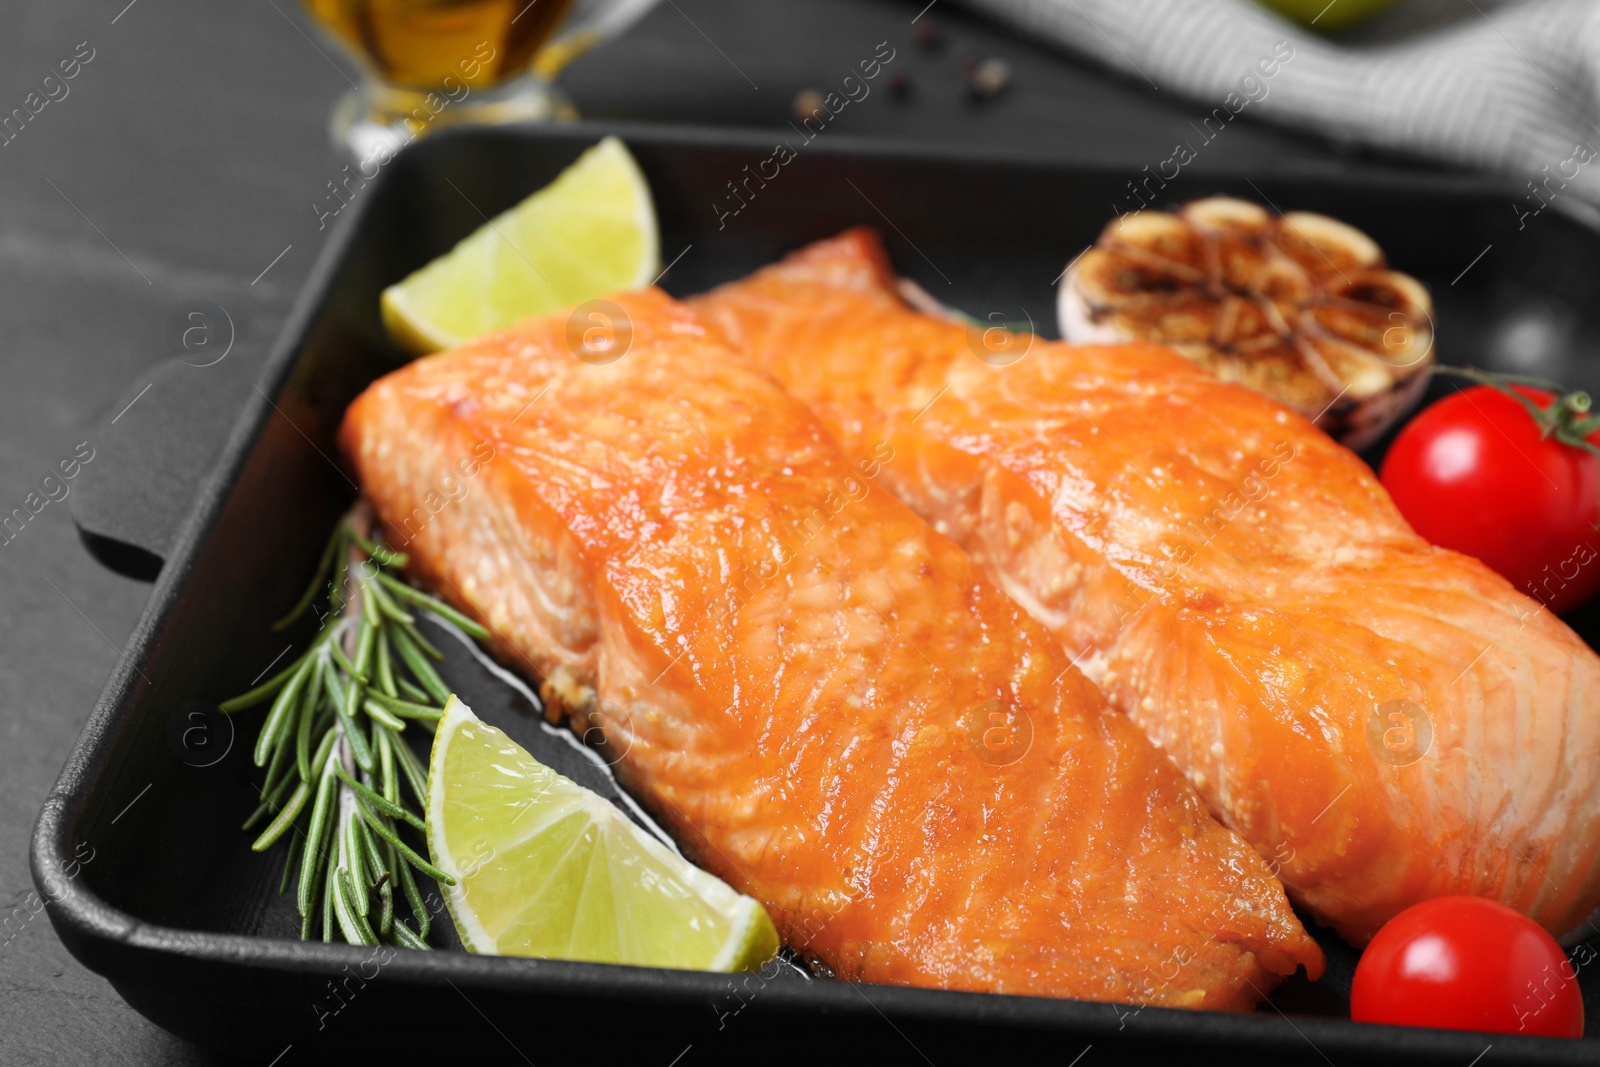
(470, 930)
(580, 880)
(589, 233)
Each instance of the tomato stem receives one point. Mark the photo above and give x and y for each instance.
(1566, 417)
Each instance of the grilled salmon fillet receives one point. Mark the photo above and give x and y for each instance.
(824, 700)
(1383, 720)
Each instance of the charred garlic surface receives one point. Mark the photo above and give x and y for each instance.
(1300, 307)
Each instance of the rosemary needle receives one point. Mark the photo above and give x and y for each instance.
(416, 774)
(413, 895)
(379, 801)
(406, 709)
(260, 692)
(386, 680)
(285, 819)
(290, 863)
(381, 715)
(302, 733)
(387, 605)
(403, 936)
(340, 775)
(343, 661)
(420, 667)
(427, 647)
(391, 785)
(288, 698)
(384, 555)
(366, 638)
(311, 864)
(435, 605)
(385, 888)
(310, 595)
(405, 850)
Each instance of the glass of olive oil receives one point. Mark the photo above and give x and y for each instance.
(428, 64)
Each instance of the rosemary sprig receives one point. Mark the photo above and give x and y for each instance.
(331, 745)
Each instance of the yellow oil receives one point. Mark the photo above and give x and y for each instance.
(417, 44)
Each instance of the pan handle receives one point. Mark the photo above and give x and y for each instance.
(153, 450)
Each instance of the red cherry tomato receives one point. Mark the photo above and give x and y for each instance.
(1476, 472)
(1465, 963)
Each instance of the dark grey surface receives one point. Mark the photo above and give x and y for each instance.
(187, 156)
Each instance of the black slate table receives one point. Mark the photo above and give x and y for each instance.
(183, 165)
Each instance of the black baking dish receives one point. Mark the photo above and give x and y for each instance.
(173, 908)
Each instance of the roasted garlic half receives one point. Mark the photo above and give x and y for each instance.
(1299, 306)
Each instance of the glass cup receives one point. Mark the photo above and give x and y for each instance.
(427, 64)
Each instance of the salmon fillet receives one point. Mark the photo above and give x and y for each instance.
(823, 700)
(1383, 720)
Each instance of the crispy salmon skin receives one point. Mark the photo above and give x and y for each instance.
(824, 700)
(1385, 721)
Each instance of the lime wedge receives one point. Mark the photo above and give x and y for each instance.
(544, 867)
(589, 233)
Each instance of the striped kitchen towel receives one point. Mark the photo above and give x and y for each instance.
(1511, 87)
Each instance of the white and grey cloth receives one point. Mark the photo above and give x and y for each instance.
(1511, 86)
